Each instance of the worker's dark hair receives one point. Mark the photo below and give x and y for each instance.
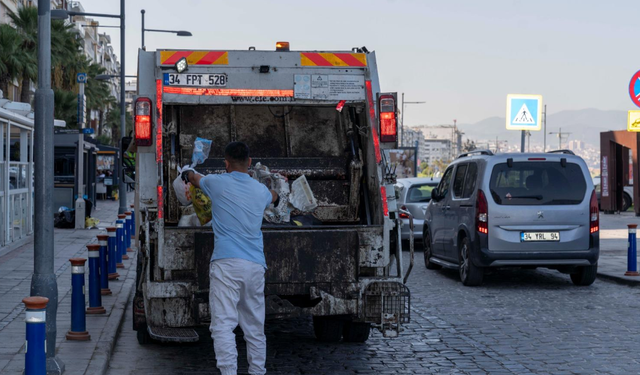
(236, 153)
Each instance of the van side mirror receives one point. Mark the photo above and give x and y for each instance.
(434, 195)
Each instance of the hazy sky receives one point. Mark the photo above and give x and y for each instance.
(461, 57)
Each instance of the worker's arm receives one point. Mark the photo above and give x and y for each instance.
(274, 196)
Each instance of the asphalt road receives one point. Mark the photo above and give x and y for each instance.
(518, 322)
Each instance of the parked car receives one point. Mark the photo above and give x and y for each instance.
(414, 194)
(524, 210)
(627, 195)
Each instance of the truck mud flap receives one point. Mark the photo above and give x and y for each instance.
(168, 334)
(387, 305)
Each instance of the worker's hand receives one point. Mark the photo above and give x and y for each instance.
(185, 173)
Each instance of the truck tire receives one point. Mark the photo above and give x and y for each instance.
(327, 328)
(143, 336)
(356, 331)
(470, 274)
(585, 276)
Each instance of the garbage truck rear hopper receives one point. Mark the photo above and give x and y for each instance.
(317, 114)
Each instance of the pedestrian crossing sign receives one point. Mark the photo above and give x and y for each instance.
(524, 112)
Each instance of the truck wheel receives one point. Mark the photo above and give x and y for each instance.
(470, 275)
(143, 335)
(426, 241)
(327, 328)
(585, 276)
(356, 331)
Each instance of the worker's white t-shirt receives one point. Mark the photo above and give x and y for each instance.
(237, 205)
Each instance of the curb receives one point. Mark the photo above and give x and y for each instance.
(619, 279)
(99, 362)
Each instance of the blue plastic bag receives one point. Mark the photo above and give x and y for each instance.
(201, 149)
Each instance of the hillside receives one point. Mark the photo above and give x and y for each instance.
(584, 125)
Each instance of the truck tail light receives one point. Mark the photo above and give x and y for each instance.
(402, 214)
(388, 123)
(482, 213)
(385, 207)
(594, 214)
(143, 122)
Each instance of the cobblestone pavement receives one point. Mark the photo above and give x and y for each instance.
(518, 322)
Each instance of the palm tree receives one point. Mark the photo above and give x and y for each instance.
(65, 54)
(66, 107)
(26, 22)
(12, 56)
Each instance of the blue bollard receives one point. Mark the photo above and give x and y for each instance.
(112, 246)
(632, 260)
(35, 353)
(125, 236)
(78, 330)
(95, 298)
(128, 227)
(133, 222)
(104, 265)
(120, 250)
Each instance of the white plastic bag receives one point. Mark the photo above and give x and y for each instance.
(301, 195)
(201, 149)
(182, 189)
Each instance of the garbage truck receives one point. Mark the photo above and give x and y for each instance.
(318, 114)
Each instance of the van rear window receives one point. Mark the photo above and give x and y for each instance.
(537, 183)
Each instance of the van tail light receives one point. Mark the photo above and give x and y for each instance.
(143, 122)
(402, 214)
(388, 121)
(482, 213)
(594, 214)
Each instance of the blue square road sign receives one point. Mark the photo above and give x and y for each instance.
(524, 112)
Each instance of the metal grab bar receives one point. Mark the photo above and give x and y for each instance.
(411, 242)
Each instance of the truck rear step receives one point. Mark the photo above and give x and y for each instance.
(168, 334)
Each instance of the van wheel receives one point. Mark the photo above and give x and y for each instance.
(327, 328)
(356, 331)
(626, 202)
(426, 240)
(585, 276)
(470, 275)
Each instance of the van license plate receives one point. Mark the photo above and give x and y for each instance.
(540, 236)
(198, 80)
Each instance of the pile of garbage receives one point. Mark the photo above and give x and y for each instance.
(298, 197)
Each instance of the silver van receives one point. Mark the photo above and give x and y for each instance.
(523, 210)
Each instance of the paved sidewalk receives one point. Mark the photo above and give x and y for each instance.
(614, 239)
(16, 268)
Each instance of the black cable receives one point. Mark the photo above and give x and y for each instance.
(279, 116)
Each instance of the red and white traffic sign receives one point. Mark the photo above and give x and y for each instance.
(634, 88)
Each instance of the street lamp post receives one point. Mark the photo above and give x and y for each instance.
(64, 14)
(43, 281)
(177, 32)
(402, 117)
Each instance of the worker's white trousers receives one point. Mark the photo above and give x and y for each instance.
(236, 297)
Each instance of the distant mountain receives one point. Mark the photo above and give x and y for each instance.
(584, 125)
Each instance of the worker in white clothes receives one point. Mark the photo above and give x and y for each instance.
(236, 295)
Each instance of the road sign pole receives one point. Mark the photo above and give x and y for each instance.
(523, 134)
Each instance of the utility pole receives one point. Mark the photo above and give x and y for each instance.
(544, 131)
(80, 204)
(523, 134)
(122, 191)
(561, 135)
(43, 281)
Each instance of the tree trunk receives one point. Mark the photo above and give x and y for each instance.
(25, 94)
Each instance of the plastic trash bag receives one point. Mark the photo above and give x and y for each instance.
(201, 204)
(301, 196)
(91, 222)
(201, 149)
(65, 219)
(189, 221)
(277, 182)
(182, 189)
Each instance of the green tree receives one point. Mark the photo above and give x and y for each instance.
(113, 123)
(12, 56)
(66, 107)
(26, 22)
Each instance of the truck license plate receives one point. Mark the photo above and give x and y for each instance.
(198, 80)
(540, 236)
